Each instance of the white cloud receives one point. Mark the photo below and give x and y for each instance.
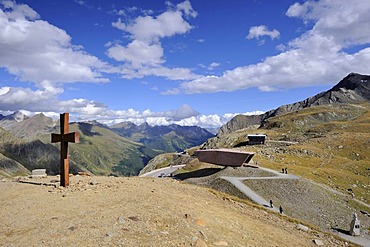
(15, 98)
(119, 24)
(144, 55)
(137, 53)
(184, 111)
(184, 115)
(169, 73)
(19, 11)
(37, 51)
(317, 57)
(45, 100)
(150, 29)
(259, 31)
(172, 91)
(348, 22)
(213, 65)
(176, 116)
(187, 8)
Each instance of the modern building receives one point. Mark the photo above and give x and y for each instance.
(256, 139)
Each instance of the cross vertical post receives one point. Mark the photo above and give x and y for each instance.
(64, 137)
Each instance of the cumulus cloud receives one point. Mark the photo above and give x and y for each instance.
(348, 22)
(184, 115)
(151, 29)
(317, 57)
(26, 99)
(144, 55)
(36, 51)
(138, 53)
(184, 111)
(17, 98)
(259, 31)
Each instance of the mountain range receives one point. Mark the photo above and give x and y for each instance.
(122, 149)
(125, 148)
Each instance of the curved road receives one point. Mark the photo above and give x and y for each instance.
(237, 182)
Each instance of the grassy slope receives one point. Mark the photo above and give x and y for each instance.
(334, 152)
(103, 152)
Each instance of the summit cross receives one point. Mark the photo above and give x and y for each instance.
(64, 137)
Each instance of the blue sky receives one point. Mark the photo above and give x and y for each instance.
(186, 62)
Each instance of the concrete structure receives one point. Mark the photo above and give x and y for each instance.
(255, 139)
(38, 173)
(355, 226)
(224, 157)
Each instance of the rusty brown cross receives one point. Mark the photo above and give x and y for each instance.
(64, 137)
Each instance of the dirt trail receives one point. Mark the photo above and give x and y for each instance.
(102, 211)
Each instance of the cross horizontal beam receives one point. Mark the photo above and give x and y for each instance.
(73, 137)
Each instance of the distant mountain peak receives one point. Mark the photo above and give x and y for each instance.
(18, 116)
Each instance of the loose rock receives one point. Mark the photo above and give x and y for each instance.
(221, 243)
(318, 242)
(303, 228)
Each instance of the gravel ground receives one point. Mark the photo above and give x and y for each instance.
(107, 211)
(308, 202)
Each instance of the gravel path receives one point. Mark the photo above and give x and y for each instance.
(237, 182)
(303, 203)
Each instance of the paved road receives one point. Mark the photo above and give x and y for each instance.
(162, 172)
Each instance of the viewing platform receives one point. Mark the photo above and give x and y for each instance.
(224, 157)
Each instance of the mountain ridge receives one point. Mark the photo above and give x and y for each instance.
(354, 88)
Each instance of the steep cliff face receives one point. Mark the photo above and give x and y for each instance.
(354, 88)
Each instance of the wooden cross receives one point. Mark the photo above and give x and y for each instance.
(64, 137)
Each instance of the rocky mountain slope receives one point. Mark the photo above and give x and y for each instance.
(354, 88)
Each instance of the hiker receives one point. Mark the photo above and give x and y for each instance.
(271, 205)
(280, 209)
